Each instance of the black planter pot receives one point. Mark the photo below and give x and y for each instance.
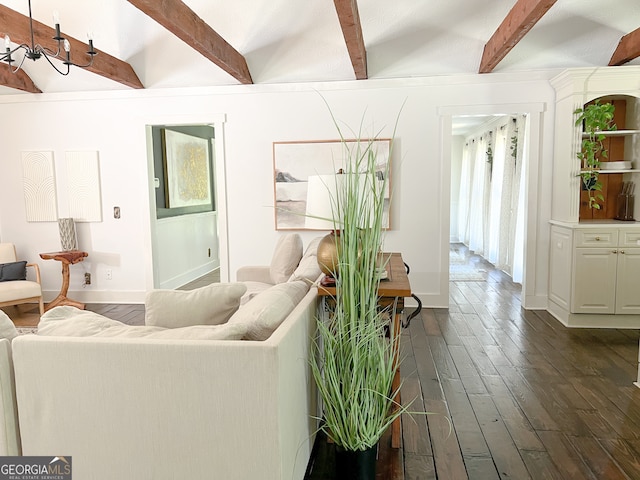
(356, 465)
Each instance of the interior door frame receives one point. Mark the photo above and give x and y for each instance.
(217, 121)
(531, 175)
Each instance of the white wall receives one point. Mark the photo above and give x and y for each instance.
(114, 124)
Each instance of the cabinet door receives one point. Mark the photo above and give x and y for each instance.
(628, 281)
(594, 281)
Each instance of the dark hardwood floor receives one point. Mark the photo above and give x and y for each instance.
(511, 394)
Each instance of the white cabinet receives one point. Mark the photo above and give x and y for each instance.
(594, 280)
(595, 275)
(628, 281)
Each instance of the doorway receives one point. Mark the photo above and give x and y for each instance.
(188, 233)
(533, 253)
(487, 196)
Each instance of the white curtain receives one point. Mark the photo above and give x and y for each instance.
(491, 206)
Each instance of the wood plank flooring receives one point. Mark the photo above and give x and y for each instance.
(511, 394)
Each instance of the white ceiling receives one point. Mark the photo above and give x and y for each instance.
(286, 41)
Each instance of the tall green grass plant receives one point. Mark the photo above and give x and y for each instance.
(355, 361)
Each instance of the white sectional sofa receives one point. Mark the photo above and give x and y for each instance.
(139, 404)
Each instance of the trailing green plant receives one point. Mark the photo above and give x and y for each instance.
(594, 118)
(355, 362)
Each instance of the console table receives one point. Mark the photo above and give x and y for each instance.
(391, 291)
(67, 258)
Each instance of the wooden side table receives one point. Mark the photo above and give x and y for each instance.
(67, 258)
(391, 292)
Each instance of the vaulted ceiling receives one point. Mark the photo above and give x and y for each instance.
(173, 43)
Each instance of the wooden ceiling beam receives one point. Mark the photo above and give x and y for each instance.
(352, 31)
(628, 49)
(180, 20)
(16, 26)
(522, 17)
(18, 80)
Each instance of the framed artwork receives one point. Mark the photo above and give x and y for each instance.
(294, 162)
(187, 168)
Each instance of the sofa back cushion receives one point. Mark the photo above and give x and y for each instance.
(267, 310)
(210, 305)
(70, 322)
(286, 256)
(7, 327)
(308, 269)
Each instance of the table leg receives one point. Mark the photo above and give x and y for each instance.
(396, 426)
(62, 299)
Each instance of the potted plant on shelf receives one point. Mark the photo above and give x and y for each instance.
(355, 362)
(594, 119)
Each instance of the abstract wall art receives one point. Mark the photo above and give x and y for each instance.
(39, 186)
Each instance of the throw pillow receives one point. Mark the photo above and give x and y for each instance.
(13, 271)
(210, 305)
(286, 257)
(267, 310)
(7, 328)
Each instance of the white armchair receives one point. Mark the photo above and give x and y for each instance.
(15, 292)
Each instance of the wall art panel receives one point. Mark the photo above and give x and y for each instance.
(83, 174)
(39, 186)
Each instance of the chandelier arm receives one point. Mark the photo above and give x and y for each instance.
(68, 64)
(82, 66)
(5, 54)
(19, 66)
(51, 53)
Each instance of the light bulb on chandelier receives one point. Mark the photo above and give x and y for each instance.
(37, 51)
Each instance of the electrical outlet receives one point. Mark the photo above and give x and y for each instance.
(87, 278)
(109, 274)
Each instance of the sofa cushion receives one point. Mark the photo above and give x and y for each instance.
(253, 289)
(225, 331)
(209, 305)
(286, 257)
(7, 328)
(308, 270)
(267, 310)
(71, 322)
(13, 271)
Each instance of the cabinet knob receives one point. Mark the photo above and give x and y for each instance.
(614, 251)
(622, 252)
(597, 239)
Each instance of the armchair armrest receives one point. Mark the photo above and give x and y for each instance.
(254, 273)
(36, 267)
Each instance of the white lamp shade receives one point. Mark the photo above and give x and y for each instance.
(325, 193)
(321, 201)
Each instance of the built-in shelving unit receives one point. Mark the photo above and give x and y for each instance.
(594, 266)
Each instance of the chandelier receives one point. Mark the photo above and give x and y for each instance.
(37, 51)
